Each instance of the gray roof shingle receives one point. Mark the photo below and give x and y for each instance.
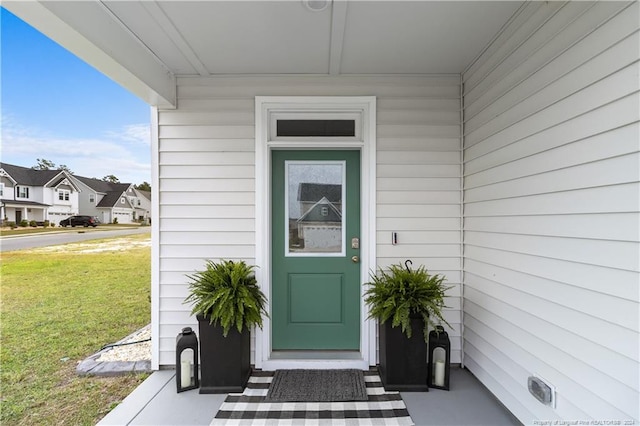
(29, 177)
(313, 192)
(112, 191)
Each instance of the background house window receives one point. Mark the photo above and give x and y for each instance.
(92, 198)
(22, 192)
(1, 189)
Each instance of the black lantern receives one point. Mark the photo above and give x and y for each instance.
(187, 360)
(439, 359)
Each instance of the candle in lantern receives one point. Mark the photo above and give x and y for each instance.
(439, 379)
(185, 373)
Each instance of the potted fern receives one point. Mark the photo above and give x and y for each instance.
(227, 302)
(405, 301)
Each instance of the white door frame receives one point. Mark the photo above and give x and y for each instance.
(365, 108)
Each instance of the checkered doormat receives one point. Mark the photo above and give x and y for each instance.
(249, 408)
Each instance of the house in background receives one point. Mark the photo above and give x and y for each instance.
(310, 193)
(107, 201)
(142, 203)
(499, 140)
(40, 195)
(54, 195)
(315, 217)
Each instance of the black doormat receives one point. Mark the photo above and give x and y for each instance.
(317, 386)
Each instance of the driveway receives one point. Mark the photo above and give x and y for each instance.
(15, 242)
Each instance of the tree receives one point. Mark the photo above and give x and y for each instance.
(144, 186)
(65, 168)
(111, 178)
(44, 164)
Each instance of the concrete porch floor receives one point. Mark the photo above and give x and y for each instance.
(155, 402)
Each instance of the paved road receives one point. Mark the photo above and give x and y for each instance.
(50, 239)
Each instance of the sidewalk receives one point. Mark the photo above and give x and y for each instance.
(28, 231)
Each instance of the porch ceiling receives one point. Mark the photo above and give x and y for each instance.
(145, 45)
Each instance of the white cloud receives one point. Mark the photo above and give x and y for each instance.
(123, 154)
(133, 133)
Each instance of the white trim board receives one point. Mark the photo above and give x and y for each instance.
(155, 241)
(366, 107)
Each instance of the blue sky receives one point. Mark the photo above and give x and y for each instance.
(55, 106)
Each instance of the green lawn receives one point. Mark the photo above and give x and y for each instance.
(57, 308)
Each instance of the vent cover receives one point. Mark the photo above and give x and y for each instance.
(316, 5)
(541, 390)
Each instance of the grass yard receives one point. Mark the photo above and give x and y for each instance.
(59, 306)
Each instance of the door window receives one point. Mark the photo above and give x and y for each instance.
(314, 208)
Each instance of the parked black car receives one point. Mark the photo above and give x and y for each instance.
(80, 221)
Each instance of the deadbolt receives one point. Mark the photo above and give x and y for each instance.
(355, 259)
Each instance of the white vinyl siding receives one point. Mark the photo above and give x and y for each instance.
(207, 179)
(551, 197)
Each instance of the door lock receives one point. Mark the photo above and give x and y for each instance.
(355, 243)
(355, 259)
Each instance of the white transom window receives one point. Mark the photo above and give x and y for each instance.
(309, 126)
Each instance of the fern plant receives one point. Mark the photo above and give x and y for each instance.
(399, 293)
(227, 293)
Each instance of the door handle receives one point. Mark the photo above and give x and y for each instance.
(355, 259)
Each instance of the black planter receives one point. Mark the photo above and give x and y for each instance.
(403, 361)
(225, 362)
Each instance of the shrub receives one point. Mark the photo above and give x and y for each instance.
(46, 223)
(24, 223)
(398, 293)
(33, 224)
(227, 293)
(115, 220)
(11, 224)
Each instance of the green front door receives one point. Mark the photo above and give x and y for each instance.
(315, 286)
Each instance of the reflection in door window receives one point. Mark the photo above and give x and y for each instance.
(315, 203)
